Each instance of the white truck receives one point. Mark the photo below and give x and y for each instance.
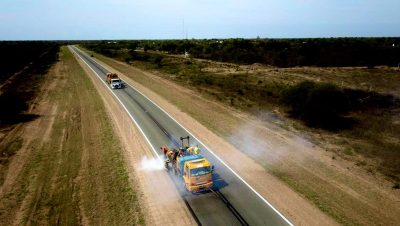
(114, 81)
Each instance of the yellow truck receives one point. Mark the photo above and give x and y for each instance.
(195, 169)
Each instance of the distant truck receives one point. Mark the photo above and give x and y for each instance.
(194, 168)
(114, 81)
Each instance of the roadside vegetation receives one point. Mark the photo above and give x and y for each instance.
(322, 52)
(18, 54)
(23, 65)
(70, 169)
(355, 107)
(23, 69)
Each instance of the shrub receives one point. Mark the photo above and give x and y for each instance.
(295, 97)
(326, 101)
(321, 105)
(157, 59)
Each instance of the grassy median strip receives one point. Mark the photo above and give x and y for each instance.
(77, 175)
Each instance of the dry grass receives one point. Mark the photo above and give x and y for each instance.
(73, 172)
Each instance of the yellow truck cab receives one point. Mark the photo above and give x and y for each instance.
(196, 172)
(194, 168)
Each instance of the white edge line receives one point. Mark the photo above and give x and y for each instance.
(236, 174)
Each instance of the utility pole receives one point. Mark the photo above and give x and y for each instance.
(183, 28)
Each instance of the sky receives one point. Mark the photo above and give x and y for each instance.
(177, 19)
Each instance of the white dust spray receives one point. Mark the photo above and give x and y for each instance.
(151, 164)
(268, 143)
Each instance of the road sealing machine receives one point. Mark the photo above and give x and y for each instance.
(192, 166)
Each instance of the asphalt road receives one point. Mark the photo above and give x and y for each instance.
(245, 205)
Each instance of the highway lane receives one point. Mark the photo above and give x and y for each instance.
(161, 129)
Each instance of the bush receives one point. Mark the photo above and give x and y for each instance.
(321, 105)
(296, 97)
(156, 59)
(326, 101)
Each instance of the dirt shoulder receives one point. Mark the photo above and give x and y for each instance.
(69, 168)
(301, 179)
(158, 195)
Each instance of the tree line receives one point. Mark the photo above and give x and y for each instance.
(32, 60)
(322, 52)
(17, 54)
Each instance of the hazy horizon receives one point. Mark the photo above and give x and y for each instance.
(177, 19)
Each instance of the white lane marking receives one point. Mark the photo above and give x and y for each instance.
(226, 165)
(133, 119)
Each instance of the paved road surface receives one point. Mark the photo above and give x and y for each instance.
(245, 206)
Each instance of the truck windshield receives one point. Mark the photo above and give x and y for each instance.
(115, 81)
(200, 171)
